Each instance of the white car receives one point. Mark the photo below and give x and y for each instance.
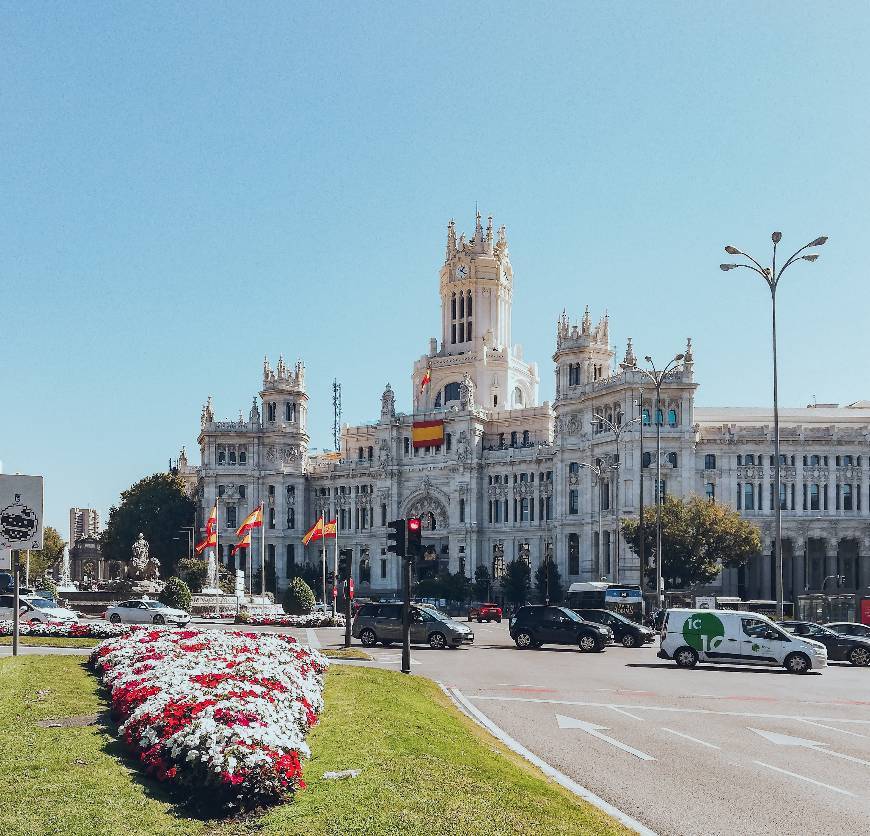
(36, 611)
(146, 611)
(737, 638)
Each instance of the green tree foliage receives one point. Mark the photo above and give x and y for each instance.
(176, 594)
(482, 583)
(193, 571)
(556, 590)
(298, 597)
(516, 584)
(158, 506)
(699, 537)
(42, 560)
(452, 587)
(311, 574)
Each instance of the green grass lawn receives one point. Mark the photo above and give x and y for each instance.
(50, 641)
(345, 653)
(425, 768)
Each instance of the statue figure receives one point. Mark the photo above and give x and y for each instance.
(144, 567)
(466, 392)
(388, 403)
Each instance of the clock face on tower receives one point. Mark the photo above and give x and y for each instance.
(461, 273)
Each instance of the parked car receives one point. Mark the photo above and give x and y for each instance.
(625, 631)
(146, 611)
(35, 610)
(735, 637)
(485, 612)
(537, 625)
(841, 648)
(383, 623)
(850, 628)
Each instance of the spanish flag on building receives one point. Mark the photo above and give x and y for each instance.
(210, 532)
(253, 520)
(428, 433)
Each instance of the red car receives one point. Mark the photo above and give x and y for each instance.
(485, 612)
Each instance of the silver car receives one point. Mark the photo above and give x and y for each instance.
(383, 623)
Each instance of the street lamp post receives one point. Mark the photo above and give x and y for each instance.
(772, 276)
(617, 430)
(657, 377)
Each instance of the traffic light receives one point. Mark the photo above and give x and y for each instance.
(396, 537)
(344, 562)
(415, 538)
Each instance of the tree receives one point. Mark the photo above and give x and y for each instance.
(194, 572)
(482, 583)
(556, 590)
(311, 574)
(42, 560)
(456, 587)
(298, 597)
(158, 506)
(176, 594)
(517, 582)
(699, 537)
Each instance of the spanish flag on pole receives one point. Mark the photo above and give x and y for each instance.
(210, 532)
(253, 520)
(329, 528)
(244, 543)
(313, 533)
(424, 382)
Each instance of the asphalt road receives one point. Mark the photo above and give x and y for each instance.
(714, 750)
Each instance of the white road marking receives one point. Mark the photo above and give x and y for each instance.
(673, 709)
(552, 772)
(833, 728)
(395, 660)
(595, 730)
(626, 713)
(814, 745)
(689, 737)
(804, 778)
(312, 639)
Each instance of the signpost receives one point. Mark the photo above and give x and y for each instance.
(21, 528)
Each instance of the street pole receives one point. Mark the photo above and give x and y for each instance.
(406, 615)
(642, 552)
(772, 277)
(16, 601)
(658, 497)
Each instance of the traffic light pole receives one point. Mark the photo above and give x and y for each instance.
(406, 615)
(347, 612)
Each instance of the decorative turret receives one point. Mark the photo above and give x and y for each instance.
(451, 239)
(688, 357)
(254, 414)
(629, 360)
(583, 353)
(207, 414)
(285, 401)
(587, 322)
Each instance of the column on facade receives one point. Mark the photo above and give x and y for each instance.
(831, 563)
(765, 565)
(798, 566)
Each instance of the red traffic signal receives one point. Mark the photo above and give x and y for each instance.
(414, 524)
(414, 544)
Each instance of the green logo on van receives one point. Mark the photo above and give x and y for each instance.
(703, 631)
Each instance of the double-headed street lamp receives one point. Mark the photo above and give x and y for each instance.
(657, 378)
(617, 430)
(772, 276)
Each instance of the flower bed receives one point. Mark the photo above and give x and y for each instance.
(222, 715)
(65, 630)
(314, 619)
(219, 614)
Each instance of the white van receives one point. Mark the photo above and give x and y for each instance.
(735, 637)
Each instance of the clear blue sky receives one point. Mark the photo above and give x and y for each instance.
(187, 187)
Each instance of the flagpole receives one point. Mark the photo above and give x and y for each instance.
(323, 558)
(263, 551)
(335, 565)
(217, 528)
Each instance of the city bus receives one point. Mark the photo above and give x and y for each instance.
(625, 599)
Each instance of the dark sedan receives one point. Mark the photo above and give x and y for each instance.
(850, 628)
(534, 626)
(625, 631)
(840, 648)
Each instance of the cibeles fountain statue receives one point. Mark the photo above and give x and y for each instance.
(144, 569)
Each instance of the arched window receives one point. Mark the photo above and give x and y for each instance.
(710, 461)
(672, 459)
(814, 461)
(659, 417)
(468, 304)
(287, 408)
(619, 418)
(748, 496)
(451, 393)
(438, 401)
(461, 305)
(672, 417)
(468, 329)
(749, 458)
(270, 412)
(371, 453)
(526, 438)
(573, 554)
(646, 419)
(360, 454)
(453, 306)
(647, 458)
(518, 396)
(448, 441)
(514, 439)
(461, 510)
(573, 468)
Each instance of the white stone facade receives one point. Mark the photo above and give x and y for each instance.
(508, 483)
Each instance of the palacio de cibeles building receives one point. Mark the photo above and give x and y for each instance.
(501, 475)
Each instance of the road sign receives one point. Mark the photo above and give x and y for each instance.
(20, 512)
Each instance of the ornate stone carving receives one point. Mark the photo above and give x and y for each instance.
(144, 567)
(388, 404)
(385, 456)
(463, 451)
(466, 392)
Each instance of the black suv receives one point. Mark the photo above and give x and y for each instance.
(840, 648)
(534, 626)
(625, 631)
